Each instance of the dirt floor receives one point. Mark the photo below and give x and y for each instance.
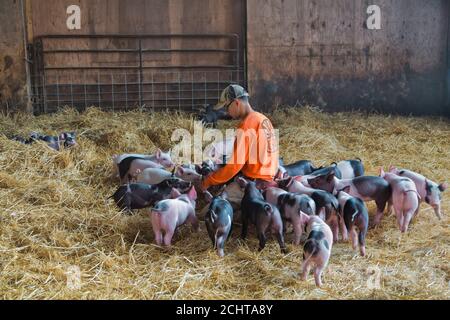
(55, 222)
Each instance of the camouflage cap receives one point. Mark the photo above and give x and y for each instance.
(230, 93)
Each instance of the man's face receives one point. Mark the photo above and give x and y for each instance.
(234, 109)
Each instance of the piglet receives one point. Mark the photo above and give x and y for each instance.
(317, 248)
(219, 221)
(219, 151)
(367, 188)
(326, 204)
(354, 213)
(327, 170)
(139, 196)
(298, 168)
(209, 116)
(291, 207)
(33, 137)
(67, 139)
(164, 159)
(169, 214)
(405, 198)
(207, 167)
(157, 175)
(428, 190)
(129, 166)
(351, 168)
(255, 210)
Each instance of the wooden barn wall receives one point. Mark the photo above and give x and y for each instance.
(320, 52)
(12, 57)
(138, 17)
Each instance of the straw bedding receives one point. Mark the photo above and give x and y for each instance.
(54, 215)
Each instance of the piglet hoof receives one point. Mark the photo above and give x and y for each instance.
(220, 253)
(362, 251)
(284, 251)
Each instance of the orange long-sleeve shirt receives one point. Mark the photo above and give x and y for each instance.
(255, 152)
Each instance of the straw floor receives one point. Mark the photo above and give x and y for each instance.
(55, 218)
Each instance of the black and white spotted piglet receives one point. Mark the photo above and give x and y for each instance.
(317, 248)
(265, 216)
(219, 220)
(355, 215)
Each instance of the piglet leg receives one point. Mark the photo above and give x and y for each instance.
(379, 215)
(220, 245)
(262, 239)
(354, 238)
(437, 211)
(244, 226)
(168, 237)
(306, 266)
(297, 234)
(318, 276)
(362, 242)
(194, 222)
(343, 229)
(158, 237)
(280, 240)
(406, 220)
(399, 215)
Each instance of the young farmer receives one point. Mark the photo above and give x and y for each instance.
(255, 151)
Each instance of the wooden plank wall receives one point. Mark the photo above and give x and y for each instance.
(321, 53)
(12, 57)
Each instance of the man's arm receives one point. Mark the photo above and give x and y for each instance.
(226, 173)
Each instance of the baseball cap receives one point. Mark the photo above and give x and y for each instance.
(230, 93)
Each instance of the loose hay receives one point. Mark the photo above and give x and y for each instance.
(55, 218)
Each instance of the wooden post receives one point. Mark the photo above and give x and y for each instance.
(447, 102)
(27, 38)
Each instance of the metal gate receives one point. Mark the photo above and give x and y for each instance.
(123, 72)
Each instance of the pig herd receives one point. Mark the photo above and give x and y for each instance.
(322, 205)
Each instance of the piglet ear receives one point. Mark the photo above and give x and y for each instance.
(62, 136)
(392, 168)
(175, 193)
(290, 181)
(304, 218)
(382, 173)
(330, 176)
(198, 168)
(158, 154)
(192, 193)
(443, 186)
(180, 171)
